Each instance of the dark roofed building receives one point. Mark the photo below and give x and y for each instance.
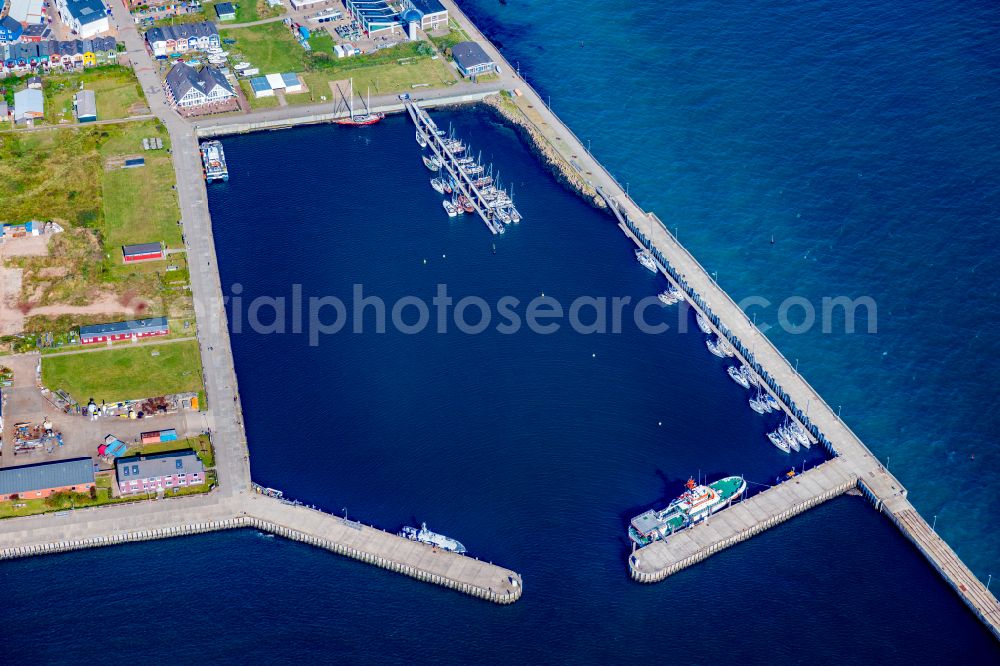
(188, 87)
(182, 38)
(472, 59)
(10, 29)
(123, 330)
(44, 479)
(225, 11)
(142, 252)
(159, 472)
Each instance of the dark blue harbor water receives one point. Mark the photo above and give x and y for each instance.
(532, 449)
(535, 450)
(861, 136)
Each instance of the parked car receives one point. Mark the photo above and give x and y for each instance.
(405, 96)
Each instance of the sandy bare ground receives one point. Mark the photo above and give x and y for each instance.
(106, 304)
(26, 246)
(12, 313)
(11, 318)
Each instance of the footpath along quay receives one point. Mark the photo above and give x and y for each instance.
(854, 460)
(144, 521)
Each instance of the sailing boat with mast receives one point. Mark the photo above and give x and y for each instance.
(360, 119)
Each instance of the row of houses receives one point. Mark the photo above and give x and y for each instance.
(58, 54)
(160, 472)
(170, 39)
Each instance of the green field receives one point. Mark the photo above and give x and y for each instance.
(116, 89)
(139, 206)
(72, 176)
(269, 47)
(120, 374)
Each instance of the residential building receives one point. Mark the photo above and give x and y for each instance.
(472, 59)
(44, 479)
(10, 29)
(85, 106)
(225, 11)
(159, 472)
(432, 14)
(35, 82)
(27, 12)
(29, 104)
(86, 17)
(124, 330)
(35, 33)
(182, 38)
(142, 252)
(188, 88)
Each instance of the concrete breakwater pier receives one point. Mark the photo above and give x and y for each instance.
(116, 525)
(741, 521)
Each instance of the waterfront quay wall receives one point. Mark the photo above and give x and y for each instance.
(116, 525)
(739, 522)
(371, 545)
(283, 118)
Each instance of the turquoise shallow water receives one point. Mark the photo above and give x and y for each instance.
(861, 137)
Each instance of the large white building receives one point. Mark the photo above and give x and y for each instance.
(187, 87)
(27, 12)
(86, 17)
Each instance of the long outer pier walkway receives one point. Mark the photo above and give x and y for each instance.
(853, 459)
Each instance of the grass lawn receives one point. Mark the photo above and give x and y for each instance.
(115, 87)
(201, 444)
(140, 207)
(120, 374)
(59, 174)
(454, 36)
(269, 47)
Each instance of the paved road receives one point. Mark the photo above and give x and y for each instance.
(112, 121)
(378, 103)
(225, 416)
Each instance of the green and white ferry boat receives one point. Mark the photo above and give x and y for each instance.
(697, 503)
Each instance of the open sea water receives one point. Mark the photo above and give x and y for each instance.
(811, 122)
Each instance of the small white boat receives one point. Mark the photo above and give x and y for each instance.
(500, 228)
(787, 436)
(748, 374)
(432, 162)
(646, 259)
(778, 441)
(449, 208)
(713, 346)
(703, 324)
(421, 139)
(774, 404)
(438, 185)
(800, 434)
(737, 376)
